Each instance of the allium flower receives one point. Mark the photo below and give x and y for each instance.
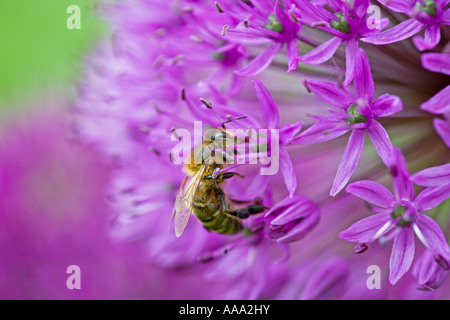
(348, 23)
(264, 22)
(428, 15)
(399, 218)
(173, 70)
(356, 113)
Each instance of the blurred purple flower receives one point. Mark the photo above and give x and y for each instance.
(54, 214)
(170, 64)
(428, 273)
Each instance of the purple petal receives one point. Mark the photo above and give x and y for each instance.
(372, 192)
(427, 272)
(429, 232)
(267, 105)
(360, 7)
(351, 50)
(434, 176)
(400, 32)
(436, 62)
(363, 82)
(261, 62)
(445, 18)
(331, 93)
(302, 216)
(364, 230)
(292, 54)
(402, 255)
(349, 161)
(431, 197)
(380, 141)
(324, 130)
(322, 53)
(328, 279)
(431, 39)
(288, 131)
(439, 103)
(403, 187)
(442, 127)
(301, 229)
(311, 13)
(288, 172)
(291, 208)
(386, 105)
(403, 6)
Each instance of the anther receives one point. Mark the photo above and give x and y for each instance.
(205, 258)
(441, 262)
(305, 83)
(320, 24)
(393, 170)
(360, 248)
(174, 132)
(144, 129)
(292, 15)
(206, 103)
(183, 94)
(224, 30)
(155, 151)
(177, 59)
(218, 7)
(196, 38)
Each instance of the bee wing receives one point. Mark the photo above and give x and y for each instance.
(178, 199)
(184, 208)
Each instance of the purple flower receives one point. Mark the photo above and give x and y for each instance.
(399, 217)
(347, 24)
(286, 134)
(291, 219)
(356, 113)
(429, 275)
(428, 15)
(440, 102)
(433, 177)
(268, 22)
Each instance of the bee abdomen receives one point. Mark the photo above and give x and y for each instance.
(214, 219)
(223, 223)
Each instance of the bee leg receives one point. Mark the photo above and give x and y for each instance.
(245, 212)
(226, 175)
(222, 200)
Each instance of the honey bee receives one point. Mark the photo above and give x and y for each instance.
(204, 196)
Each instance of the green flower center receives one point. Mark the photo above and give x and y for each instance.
(399, 212)
(356, 117)
(429, 8)
(218, 56)
(341, 24)
(274, 24)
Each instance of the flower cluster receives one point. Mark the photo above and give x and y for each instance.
(312, 71)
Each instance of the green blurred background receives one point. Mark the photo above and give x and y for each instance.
(38, 52)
